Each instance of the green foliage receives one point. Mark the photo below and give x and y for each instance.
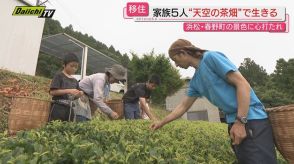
(52, 27)
(125, 60)
(283, 77)
(4, 111)
(256, 75)
(142, 68)
(271, 96)
(119, 142)
(48, 66)
(274, 90)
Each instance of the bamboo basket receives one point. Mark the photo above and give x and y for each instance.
(282, 120)
(27, 113)
(117, 106)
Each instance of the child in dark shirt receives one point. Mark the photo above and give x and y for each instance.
(64, 88)
(137, 94)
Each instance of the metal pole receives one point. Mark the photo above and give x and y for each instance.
(38, 2)
(126, 83)
(84, 58)
(84, 64)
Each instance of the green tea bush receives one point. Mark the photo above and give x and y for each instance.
(119, 142)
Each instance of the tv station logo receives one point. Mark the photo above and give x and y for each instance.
(39, 11)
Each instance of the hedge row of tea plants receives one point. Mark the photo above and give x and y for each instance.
(119, 142)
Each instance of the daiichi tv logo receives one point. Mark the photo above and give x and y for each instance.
(39, 11)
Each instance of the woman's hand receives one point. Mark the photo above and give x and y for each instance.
(114, 115)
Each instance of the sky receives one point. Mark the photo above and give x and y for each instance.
(104, 21)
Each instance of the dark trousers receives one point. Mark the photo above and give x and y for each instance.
(132, 111)
(61, 112)
(258, 147)
(80, 118)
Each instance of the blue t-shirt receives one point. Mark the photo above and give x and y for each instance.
(209, 81)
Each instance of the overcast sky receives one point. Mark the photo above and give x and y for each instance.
(104, 21)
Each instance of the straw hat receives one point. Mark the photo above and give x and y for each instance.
(117, 71)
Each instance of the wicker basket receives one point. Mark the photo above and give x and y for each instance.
(27, 113)
(282, 120)
(117, 106)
